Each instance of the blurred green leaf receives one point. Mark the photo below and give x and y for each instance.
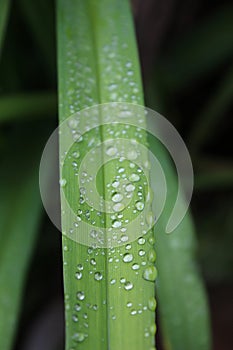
(27, 106)
(4, 10)
(20, 207)
(182, 300)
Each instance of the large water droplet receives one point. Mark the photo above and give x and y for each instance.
(150, 273)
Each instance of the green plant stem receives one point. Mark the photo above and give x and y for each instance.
(4, 10)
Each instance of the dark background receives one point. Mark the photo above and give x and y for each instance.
(186, 51)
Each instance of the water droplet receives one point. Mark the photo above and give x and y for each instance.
(95, 307)
(150, 273)
(75, 318)
(77, 307)
(134, 177)
(128, 285)
(115, 184)
(93, 262)
(122, 280)
(116, 224)
(128, 246)
(128, 257)
(63, 182)
(129, 188)
(111, 151)
(151, 256)
(76, 154)
(133, 312)
(79, 337)
(152, 304)
(139, 206)
(141, 240)
(78, 275)
(153, 329)
(80, 295)
(135, 267)
(80, 267)
(152, 240)
(117, 197)
(118, 207)
(113, 281)
(141, 252)
(98, 276)
(129, 304)
(124, 238)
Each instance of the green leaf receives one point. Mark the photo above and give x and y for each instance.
(20, 207)
(96, 47)
(182, 300)
(4, 9)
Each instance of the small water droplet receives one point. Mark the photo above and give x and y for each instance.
(139, 206)
(113, 281)
(141, 252)
(111, 151)
(98, 276)
(116, 224)
(77, 307)
(118, 207)
(93, 262)
(129, 304)
(129, 188)
(151, 256)
(128, 257)
(135, 267)
(141, 240)
(80, 267)
(128, 285)
(75, 318)
(80, 295)
(63, 182)
(152, 304)
(133, 312)
(79, 337)
(134, 177)
(78, 275)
